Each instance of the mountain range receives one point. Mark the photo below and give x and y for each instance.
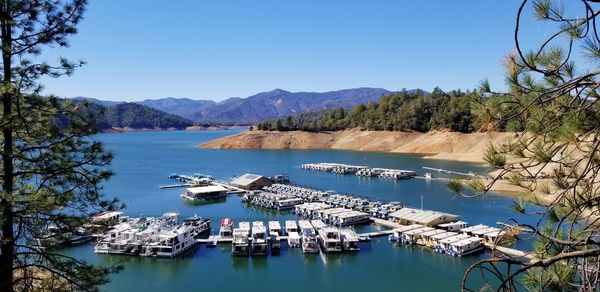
(268, 105)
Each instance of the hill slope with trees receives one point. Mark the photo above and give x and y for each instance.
(402, 111)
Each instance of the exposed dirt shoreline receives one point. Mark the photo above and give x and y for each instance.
(435, 144)
(443, 145)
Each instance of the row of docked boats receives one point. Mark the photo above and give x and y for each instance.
(151, 236)
(256, 239)
(332, 215)
(359, 170)
(284, 197)
(447, 238)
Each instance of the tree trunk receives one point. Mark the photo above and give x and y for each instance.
(6, 212)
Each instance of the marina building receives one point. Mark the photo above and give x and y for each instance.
(408, 216)
(250, 181)
(205, 193)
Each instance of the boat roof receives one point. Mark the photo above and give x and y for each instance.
(240, 231)
(455, 238)
(407, 228)
(329, 229)
(466, 241)
(432, 232)
(258, 229)
(244, 225)
(294, 235)
(206, 189)
(305, 224)
(226, 221)
(418, 230)
(443, 235)
(274, 225)
(317, 223)
(290, 223)
(450, 224)
(495, 233)
(484, 230)
(474, 227)
(106, 215)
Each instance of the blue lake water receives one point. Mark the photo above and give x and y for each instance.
(143, 160)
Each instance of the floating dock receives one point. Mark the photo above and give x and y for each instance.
(359, 170)
(470, 174)
(439, 231)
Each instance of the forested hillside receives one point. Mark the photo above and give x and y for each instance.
(132, 115)
(126, 115)
(402, 111)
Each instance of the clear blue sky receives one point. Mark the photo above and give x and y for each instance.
(218, 49)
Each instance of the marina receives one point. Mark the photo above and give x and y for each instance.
(143, 199)
(324, 228)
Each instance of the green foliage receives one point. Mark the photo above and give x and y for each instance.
(402, 111)
(493, 157)
(137, 116)
(455, 185)
(51, 171)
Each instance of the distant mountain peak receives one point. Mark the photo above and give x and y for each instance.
(268, 105)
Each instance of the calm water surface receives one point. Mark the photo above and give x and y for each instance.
(143, 160)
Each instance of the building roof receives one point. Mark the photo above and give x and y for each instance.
(443, 235)
(420, 216)
(246, 179)
(206, 189)
(474, 227)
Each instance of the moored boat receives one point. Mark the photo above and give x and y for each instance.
(226, 230)
(310, 244)
(259, 239)
(329, 238)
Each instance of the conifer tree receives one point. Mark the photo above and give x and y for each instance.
(51, 169)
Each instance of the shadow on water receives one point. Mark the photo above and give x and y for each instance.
(204, 203)
(259, 262)
(240, 264)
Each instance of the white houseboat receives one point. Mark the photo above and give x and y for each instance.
(330, 240)
(259, 239)
(445, 244)
(310, 244)
(290, 226)
(318, 225)
(294, 239)
(199, 224)
(352, 218)
(466, 246)
(397, 234)
(226, 230)
(172, 243)
(239, 244)
(274, 233)
(349, 239)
